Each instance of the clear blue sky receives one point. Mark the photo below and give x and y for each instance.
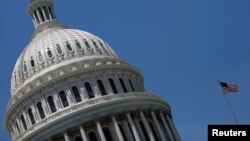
(181, 46)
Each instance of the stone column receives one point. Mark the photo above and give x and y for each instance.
(39, 16)
(35, 113)
(44, 15)
(156, 123)
(20, 124)
(14, 130)
(172, 127)
(133, 128)
(95, 88)
(127, 131)
(100, 131)
(148, 129)
(130, 77)
(35, 20)
(83, 92)
(134, 82)
(117, 129)
(79, 85)
(169, 134)
(112, 130)
(127, 85)
(49, 13)
(69, 96)
(118, 84)
(137, 124)
(45, 106)
(21, 129)
(56, 101)
(107, 85)
(27, 120)
(83, 133)
(66, 137)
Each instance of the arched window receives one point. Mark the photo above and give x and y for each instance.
(76, 94)
(40, 57)
(63, 98)
(23, 122)
(58, 49)
(112, 84)
(123, 85)
(25, 68)
(51, 104)
(49, 53)
(69, 48)
(17, 127)
(78, 45)
(92, 136)
(78, 138)
(153, 130)
(31, 116)
(89, 90)
(95, 44)
(40, 110)
(107, 134)
(144, 131)
(131, 85)
(123, 133)
(46, 12)
(86, 43)
(101, 87)
(32, 62)
(101, 44)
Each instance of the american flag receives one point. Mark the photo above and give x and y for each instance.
(229, 87)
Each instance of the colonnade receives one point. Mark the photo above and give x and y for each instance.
(126, 129)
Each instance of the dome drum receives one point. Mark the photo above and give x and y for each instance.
(85, 112)
(90, 74)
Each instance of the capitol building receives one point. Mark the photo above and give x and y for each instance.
(69, 85)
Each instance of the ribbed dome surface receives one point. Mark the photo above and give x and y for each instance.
(54, 46)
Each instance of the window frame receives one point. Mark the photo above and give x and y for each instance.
(41, 112)
(101, 87)
(52, 109)
(31, 116)
(78, 93)
(63, 96)
(90, 91)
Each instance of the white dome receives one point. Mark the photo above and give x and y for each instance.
(55, 46)
(70, 84)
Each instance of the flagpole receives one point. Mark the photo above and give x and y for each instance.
(230, 106)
